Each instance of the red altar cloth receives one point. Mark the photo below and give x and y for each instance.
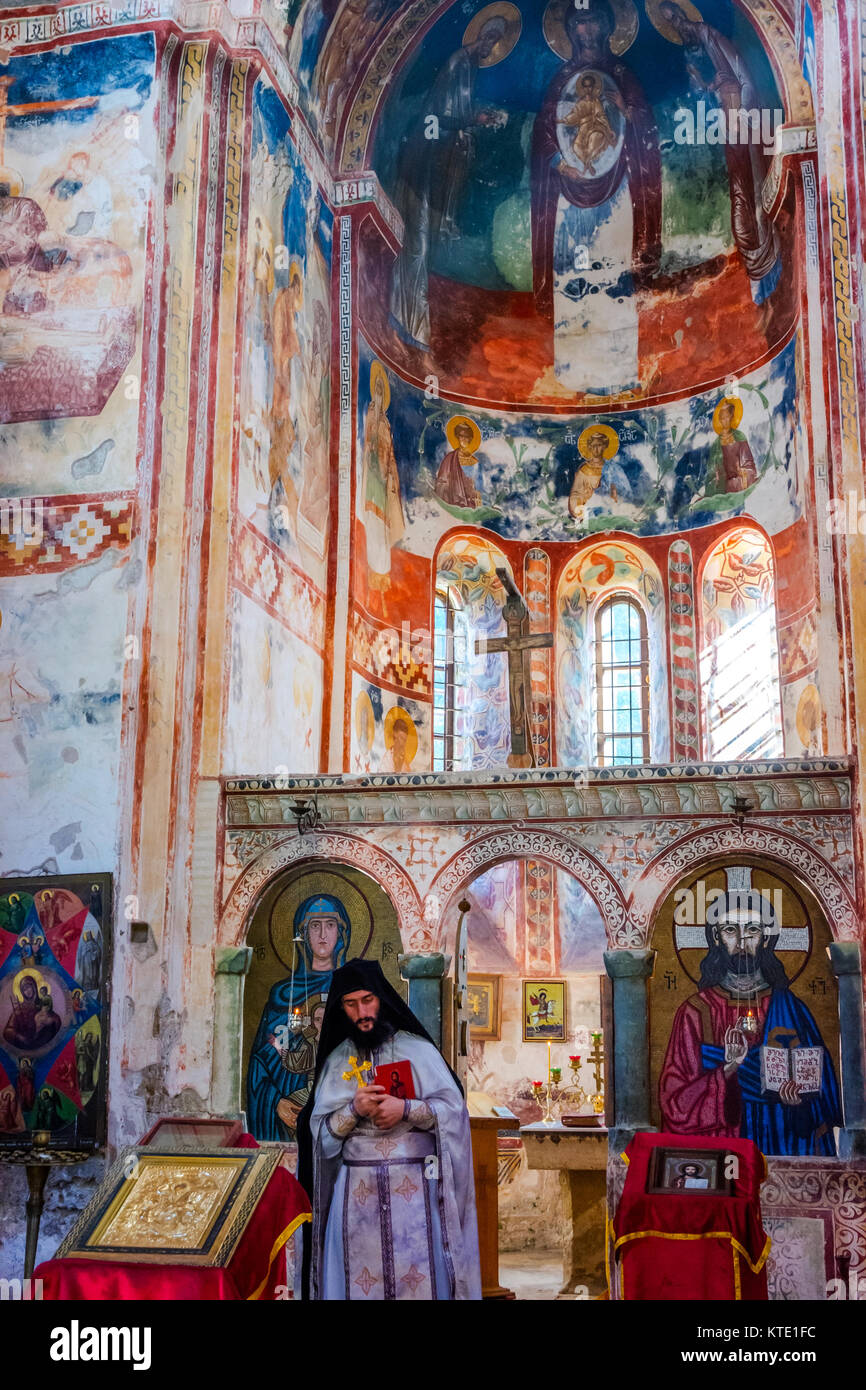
(695, 1247)
(253, 1272)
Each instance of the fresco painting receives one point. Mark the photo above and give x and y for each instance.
(553, 248)
(715, 455)
(390, 733)
(284, 477)
(73, 229)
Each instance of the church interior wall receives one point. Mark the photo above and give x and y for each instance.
(186, 551)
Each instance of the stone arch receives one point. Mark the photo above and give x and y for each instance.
(336, 848)
(532, 843)
(811, 871)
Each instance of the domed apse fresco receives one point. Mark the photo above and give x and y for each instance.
(582, 207)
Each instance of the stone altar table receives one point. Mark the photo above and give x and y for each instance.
(580, 1155)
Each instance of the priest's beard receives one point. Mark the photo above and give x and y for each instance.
(369, 1039)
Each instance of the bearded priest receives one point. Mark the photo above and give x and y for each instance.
(384, 1153)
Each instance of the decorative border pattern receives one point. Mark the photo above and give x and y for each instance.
(52, 534)
(343, 849)
(383, 654)
(844, 327)
(806, 1188)
(675, 862)
(684, 652)
(536, 591)
(810, 199)
(264, 574)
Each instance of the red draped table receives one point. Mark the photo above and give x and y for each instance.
(695, 1246)
(253, 1272)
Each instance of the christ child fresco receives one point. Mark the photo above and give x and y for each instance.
(32, 1022)
(593, 132)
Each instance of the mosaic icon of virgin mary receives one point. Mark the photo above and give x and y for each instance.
(281, 1060)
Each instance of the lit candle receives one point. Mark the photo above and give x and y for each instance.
(548, 1059)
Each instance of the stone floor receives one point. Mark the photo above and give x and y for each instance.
(531, 1274)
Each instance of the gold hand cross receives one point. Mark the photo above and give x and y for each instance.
(355, 1072)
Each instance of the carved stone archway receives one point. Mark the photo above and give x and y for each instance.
(532, 843)
(764, 842)
(336, 848)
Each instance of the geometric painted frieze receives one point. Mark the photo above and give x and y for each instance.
(46, 535)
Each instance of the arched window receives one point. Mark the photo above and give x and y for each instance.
(739, 660)
(622, 712)
(451, 661)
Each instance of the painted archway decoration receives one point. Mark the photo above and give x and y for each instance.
(724, 840)
(535, 843)
(339, 849)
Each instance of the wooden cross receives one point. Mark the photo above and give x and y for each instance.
(24, 107)
(518, 643)
(355, 1072)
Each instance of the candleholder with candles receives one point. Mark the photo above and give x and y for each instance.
(574, 1097)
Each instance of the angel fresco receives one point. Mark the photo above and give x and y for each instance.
(432, 172)
(596, 206)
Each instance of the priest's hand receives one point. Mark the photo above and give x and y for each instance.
(789, 1093)
(367, 1099)
(389, 1114)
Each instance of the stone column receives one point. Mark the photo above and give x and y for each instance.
(629, 971)
(232, 964)
(424, 973)
(847, 967)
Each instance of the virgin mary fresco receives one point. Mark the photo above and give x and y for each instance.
(281, 1060)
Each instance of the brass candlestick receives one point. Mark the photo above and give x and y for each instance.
(597, 1059)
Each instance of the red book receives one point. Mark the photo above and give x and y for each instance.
(396, 1077)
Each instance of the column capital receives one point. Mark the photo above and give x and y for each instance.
(845, 958)
(629, 964)
(233, 960)
(418, 965)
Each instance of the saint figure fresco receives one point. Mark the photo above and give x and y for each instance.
(717, 68)
(712, 1081)
(596, 201)
(432, 173)
(732, 465)
(380, 483)
(453, 485)
(596, 444)
(281, 1060)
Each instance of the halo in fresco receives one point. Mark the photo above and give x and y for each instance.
(365, 721)
(451, 432)
(737, 403)
(688, 9)
(377, 371)
(808, 714)
(610, 433)
(621, 39)
(14, 180)
(319, 883)
(398, 712)
(501, 9)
